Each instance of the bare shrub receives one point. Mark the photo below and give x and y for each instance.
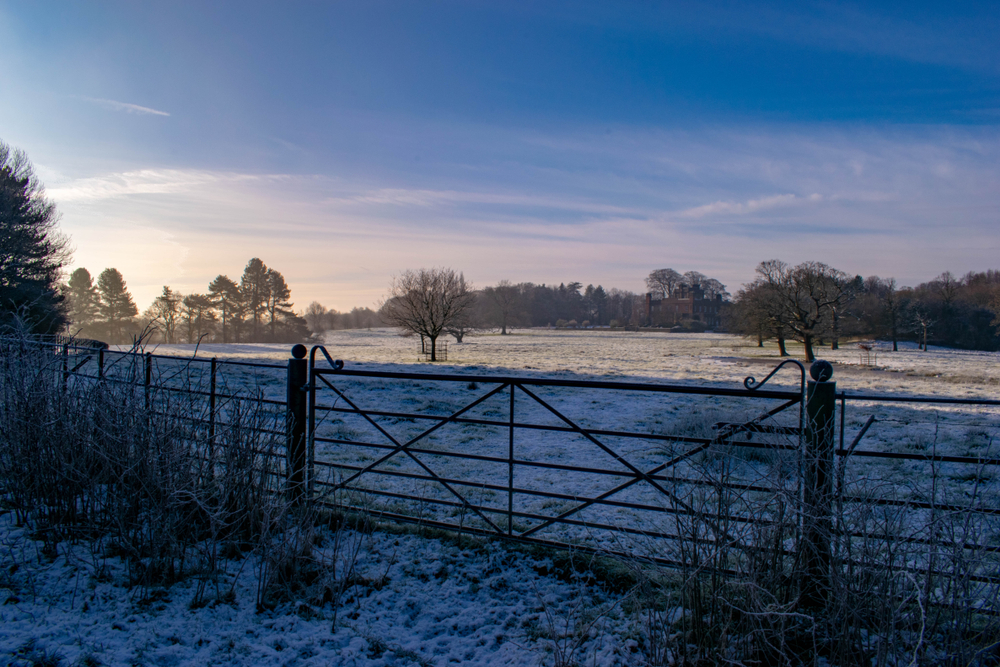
(128, 465)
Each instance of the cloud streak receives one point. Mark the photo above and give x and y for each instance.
(748, 207)
(114, 105)
(141, 182)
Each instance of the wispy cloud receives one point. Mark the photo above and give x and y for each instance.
(140, 182)
(431, 198)
(114, 105)
(750, 206)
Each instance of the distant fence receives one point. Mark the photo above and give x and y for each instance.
(205, 397)
(824, 481)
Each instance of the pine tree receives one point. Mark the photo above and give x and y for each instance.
(279, 305)
(32, 252)
(117, 306)
(255, 290)
(84, 302)
(198, 317)
(228, 300)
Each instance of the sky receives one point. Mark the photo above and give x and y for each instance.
(345, 142)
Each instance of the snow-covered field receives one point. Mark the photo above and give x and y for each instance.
(438, 603)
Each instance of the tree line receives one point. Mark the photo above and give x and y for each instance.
(432, 302)
(257, 309)
(813, 303)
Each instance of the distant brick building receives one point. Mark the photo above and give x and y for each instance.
(688, 303)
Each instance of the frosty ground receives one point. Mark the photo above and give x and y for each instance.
(419, 600)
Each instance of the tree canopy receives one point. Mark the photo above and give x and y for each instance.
(32, 250)
(427, 302)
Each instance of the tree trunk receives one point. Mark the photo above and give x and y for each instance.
(807, 341)
(835, 344)
(433, 347)
(760, 339)
(781, 346)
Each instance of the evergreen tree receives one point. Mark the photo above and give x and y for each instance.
(197, 316)
(117, 306)
(32, 252)
(255, 290)
(228, 301)
(84, 302)
(278, 302)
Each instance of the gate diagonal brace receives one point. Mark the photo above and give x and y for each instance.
(638, 475)
(400, 447)
(729, 429)
(621, 487)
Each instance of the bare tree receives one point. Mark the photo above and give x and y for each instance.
(757, 312)
(923, 321)
(166, 310)
(427, 302)
(714, 288)
(317, 317)
(664, 282)
(886, 306)
(805, 297)
(506, 301)
(692, 278)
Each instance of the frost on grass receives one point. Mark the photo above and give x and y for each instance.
(410, 600)
(407, 599)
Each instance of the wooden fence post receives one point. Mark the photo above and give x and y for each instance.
(817, 492)
(297, 410)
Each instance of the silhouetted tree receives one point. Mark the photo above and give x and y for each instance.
(117, 306)
(198, 316)
(278, 302)
(664, 282)
(84, 302)
(255, 289)
(505, 299)
(32, 251)
(165, 311)
(426, 302)
(228, 301)
(317, 317)
(804, 298)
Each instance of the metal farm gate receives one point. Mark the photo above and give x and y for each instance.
(634, 469)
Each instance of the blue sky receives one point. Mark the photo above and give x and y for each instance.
(345, 142)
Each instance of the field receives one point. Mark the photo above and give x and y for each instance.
(418, 600)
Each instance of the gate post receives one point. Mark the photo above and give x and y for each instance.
(297, 404)
(65, 366)
(817, 492)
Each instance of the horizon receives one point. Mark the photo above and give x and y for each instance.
(570, 142)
